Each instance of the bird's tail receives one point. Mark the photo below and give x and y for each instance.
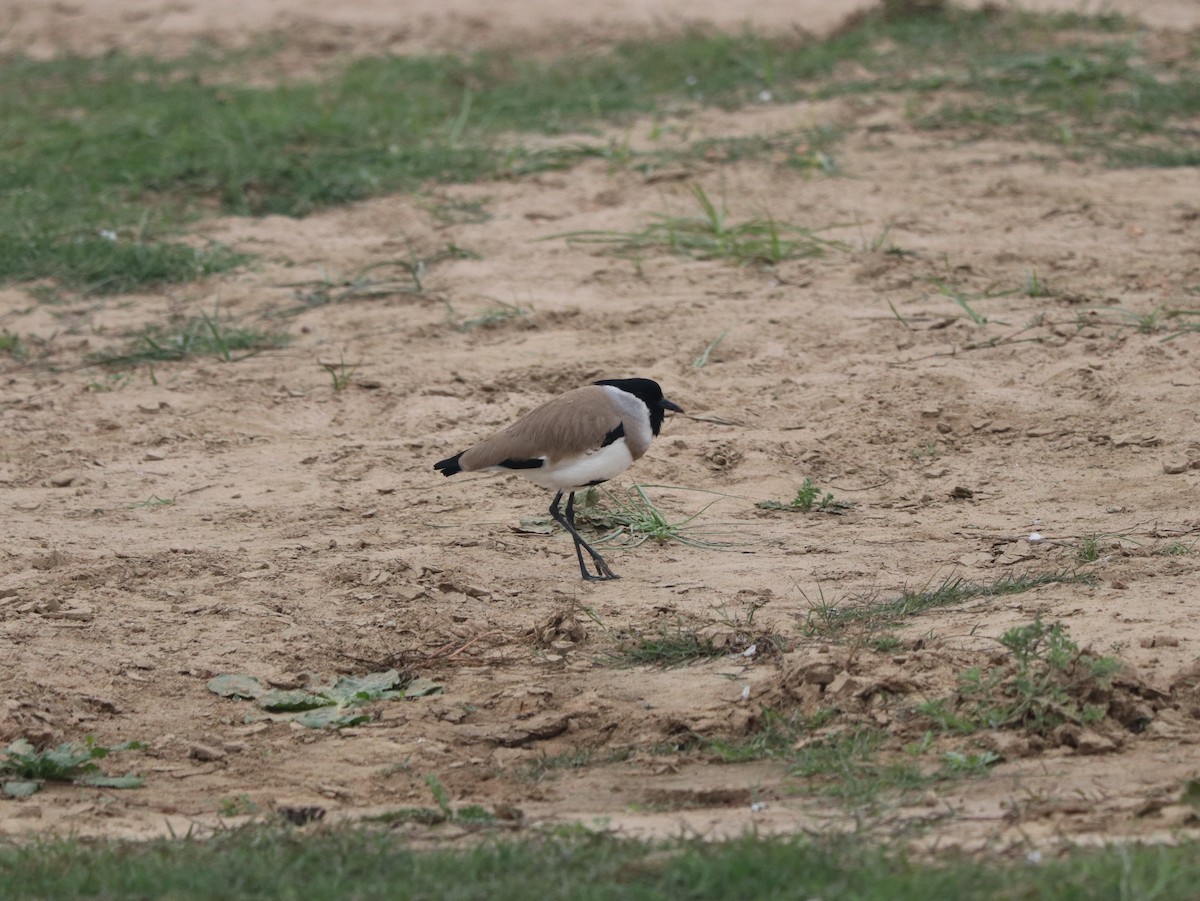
(449, 466)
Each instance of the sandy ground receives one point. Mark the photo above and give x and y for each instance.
(308, 535)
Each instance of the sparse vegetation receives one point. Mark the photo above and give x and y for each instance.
(1176, 549)
(109, 161)
(188, 141)
(340, 373)
(827, 618)
(809, 497)
(668, 646)
(497, 314)
(24, 768)
(1048, 682)
(386, 278)
(203, 335)
(711, 236)
(11, 345)
(632, 519)
(775, 738)
(468, 816)
(241, 805)
(1088, 549)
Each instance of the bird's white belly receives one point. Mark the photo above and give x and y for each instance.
(573, 473)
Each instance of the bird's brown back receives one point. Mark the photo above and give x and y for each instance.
(573, 423)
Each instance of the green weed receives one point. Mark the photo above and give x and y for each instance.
(11, 345)
(1088, 549)
(468, 816)
(808, 498)
(24, 768)
(1049, 682)
(152, 501)
(340, 373)
(109, 381)
(241, 805)
(850, 765)
(929, 451)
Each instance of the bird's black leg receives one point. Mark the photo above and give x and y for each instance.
(568, 523)
(601, 566)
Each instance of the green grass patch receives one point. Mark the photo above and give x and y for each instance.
(203, 336)
(711, 236)
(107, 158)
(370, 863)
(1049, 682)
(827, 618)
(668, 646)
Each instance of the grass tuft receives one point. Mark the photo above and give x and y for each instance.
(632, 519)
(829, 619)
(668, 647)
(203, 335)
(711, 236)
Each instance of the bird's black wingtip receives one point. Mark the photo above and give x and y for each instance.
(449, 466)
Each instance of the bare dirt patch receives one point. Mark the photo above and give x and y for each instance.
(307, 535)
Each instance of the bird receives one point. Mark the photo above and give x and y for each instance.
(577, 440)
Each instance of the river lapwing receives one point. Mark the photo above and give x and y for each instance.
(578, 439)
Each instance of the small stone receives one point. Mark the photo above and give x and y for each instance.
(960, 493)
(65, 478)
(1090, 742)
(1159, 641)
(153, 456)
(1008, 745)
(1174, 467)
(206, 753)
(843, 684)
(945, 428)
(931, 412)
(935, 472)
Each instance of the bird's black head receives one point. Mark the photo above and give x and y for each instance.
(649, 392)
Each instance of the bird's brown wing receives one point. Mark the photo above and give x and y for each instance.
(574, 423)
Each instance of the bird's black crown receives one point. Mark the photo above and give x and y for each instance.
(648, 392)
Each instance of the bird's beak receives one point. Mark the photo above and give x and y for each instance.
(667, 405)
